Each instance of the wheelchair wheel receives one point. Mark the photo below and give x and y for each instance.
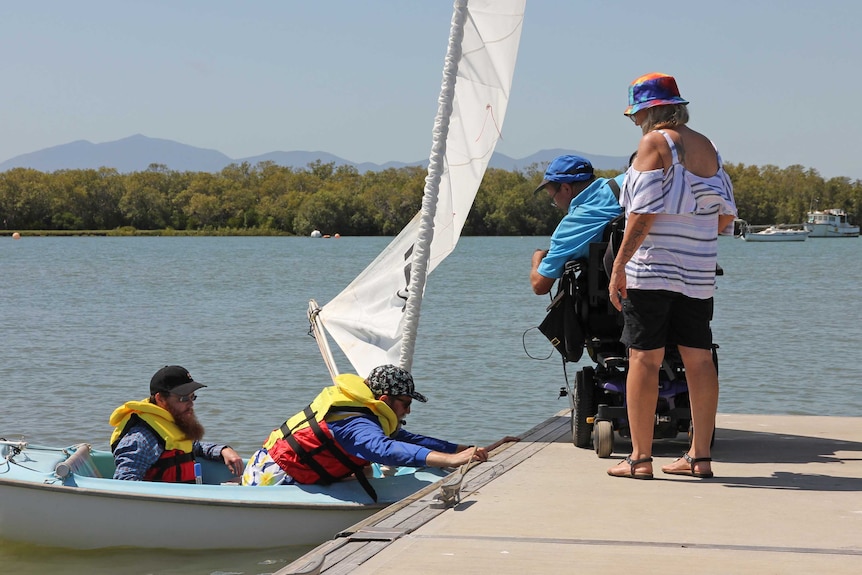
(603, 439)
(583, 407)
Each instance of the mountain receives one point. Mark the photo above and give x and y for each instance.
(136, 153)
(132, 154)
(545, 156)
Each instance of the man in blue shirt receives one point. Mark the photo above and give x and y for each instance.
(350, 425)
(590, 203)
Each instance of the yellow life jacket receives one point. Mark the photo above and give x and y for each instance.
(160, 420)
(348, 397)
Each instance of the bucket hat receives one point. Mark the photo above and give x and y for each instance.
(654, 89)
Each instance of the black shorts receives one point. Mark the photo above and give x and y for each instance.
(657, 318)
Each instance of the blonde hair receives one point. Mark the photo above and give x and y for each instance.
(665, 116)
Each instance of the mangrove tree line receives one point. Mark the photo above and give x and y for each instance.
(270, 199)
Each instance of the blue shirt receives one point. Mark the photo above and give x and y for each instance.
(363, 437)
(139, 449)
(589, 213)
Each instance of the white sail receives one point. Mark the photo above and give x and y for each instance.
(373, 320)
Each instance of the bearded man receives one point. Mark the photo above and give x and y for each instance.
(158, 438)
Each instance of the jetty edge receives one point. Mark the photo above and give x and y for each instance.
(787, 498)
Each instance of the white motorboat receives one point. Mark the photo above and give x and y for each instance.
(775, 234)
(832, 223)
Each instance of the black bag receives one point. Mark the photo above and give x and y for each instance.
(614, 233)
(561, 325)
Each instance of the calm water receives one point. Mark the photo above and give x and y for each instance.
(87, 321)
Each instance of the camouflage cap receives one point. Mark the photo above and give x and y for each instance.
(393, 380)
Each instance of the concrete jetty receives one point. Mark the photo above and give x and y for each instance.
(786, 498)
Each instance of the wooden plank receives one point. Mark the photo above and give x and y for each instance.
(361, 553)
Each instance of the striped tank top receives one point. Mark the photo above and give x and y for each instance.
(680, 251)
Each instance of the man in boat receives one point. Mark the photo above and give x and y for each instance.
(157, 439)
(348, 426)
(589, 202)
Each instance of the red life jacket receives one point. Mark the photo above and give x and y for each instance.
(174, 466)
(304, 446)
(311, 454)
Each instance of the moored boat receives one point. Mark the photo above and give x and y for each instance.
(775, 234)
(832, 223)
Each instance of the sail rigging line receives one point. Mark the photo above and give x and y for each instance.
(315, 328)
(422, 247)
(490, 110)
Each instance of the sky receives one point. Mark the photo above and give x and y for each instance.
(771, 82)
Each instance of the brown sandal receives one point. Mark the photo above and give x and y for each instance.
(632, 463)
(690, 472)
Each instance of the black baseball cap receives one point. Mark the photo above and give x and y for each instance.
(173, 379)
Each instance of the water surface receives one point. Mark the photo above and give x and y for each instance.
(87, 321)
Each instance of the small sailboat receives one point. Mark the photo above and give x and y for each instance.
(63, 496)
(775, 234)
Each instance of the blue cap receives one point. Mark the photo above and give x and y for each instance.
(567, 169)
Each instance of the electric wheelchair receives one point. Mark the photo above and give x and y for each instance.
(598, 401)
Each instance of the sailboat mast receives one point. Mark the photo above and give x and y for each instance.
(422, 248)
(374, 319)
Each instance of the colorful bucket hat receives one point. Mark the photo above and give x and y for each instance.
(653, 89)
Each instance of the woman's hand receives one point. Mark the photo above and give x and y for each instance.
(617, 287)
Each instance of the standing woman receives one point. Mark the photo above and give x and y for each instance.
(677, 199)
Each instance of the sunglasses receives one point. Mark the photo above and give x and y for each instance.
(405, 402)
(185, 398)
(554, 195)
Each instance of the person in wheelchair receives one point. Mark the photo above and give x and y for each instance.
(589, 202)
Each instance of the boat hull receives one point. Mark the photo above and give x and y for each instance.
(827, 231)
(60, 516)
(80, 512)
